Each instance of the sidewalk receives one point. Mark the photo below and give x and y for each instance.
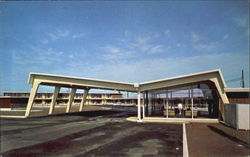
(216, 140)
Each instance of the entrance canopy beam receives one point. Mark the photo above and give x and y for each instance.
(215, 76)
(80, 83)
(86, 83)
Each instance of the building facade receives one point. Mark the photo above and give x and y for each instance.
(20, 99)
(193, 96)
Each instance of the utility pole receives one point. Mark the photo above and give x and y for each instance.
(242, 79)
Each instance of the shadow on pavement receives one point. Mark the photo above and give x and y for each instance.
(103, 113)
(89, 113)
(232, 138)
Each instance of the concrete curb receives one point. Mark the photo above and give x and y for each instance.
(13, 117)
(185, 145)
(173, 120)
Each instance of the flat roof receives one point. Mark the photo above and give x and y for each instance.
(188, 75)
(52, 92)
(32, 74)
(237, 89)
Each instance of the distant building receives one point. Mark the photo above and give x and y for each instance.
(20, 99)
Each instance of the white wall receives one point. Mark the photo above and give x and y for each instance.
(243, 116)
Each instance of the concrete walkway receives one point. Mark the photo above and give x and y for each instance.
(216, 139)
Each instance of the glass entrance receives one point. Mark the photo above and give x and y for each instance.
(196, 101)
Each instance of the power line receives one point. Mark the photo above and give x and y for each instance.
(241, 79)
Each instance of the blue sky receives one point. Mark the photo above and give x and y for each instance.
(132, 41)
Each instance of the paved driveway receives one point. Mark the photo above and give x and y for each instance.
(89, 134)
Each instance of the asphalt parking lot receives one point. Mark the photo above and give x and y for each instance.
(108, 133)
(90, 133)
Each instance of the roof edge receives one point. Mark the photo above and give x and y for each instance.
(73, 77)
(188, 75)
(237, 89)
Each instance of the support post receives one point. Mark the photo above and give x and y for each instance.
(139, 106)
(146, 103)
(71, 98)
(192, 103)
(84, 98)
(53, 102)
(31, 98)
(143, 107)
(171, 98)
(167, 104)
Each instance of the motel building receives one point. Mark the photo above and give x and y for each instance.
(19, 100)
(198, 97)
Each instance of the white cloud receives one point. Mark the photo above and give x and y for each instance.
(112, 49)
(44, 41)
(144, 44)
(37, 55)
(142, 40)
(198, 43)
(167, 33)
(157, 35)
(137, 70)
(133, 47)
(53, 36)
(58, 34)
(61, 33)
(127, 33)
(241, 21)
(151, 69)
(195, 37)
(114, 53)
(178, 45)
(206, 46)
(75, 36)
(225, 36)
(157, 49)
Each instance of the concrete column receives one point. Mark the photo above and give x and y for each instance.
(71, 98)
(54, 97)
(146, 103)
(192, 103)
(139, 106)
(84, 98)
(143, 108)
(171, 99)
(31, 98)
(167, 104)
(143, 111)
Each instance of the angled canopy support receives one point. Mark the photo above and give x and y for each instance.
(71, 98)
(54, 97)
(220, 90)
(84, 98)
(33, 91)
